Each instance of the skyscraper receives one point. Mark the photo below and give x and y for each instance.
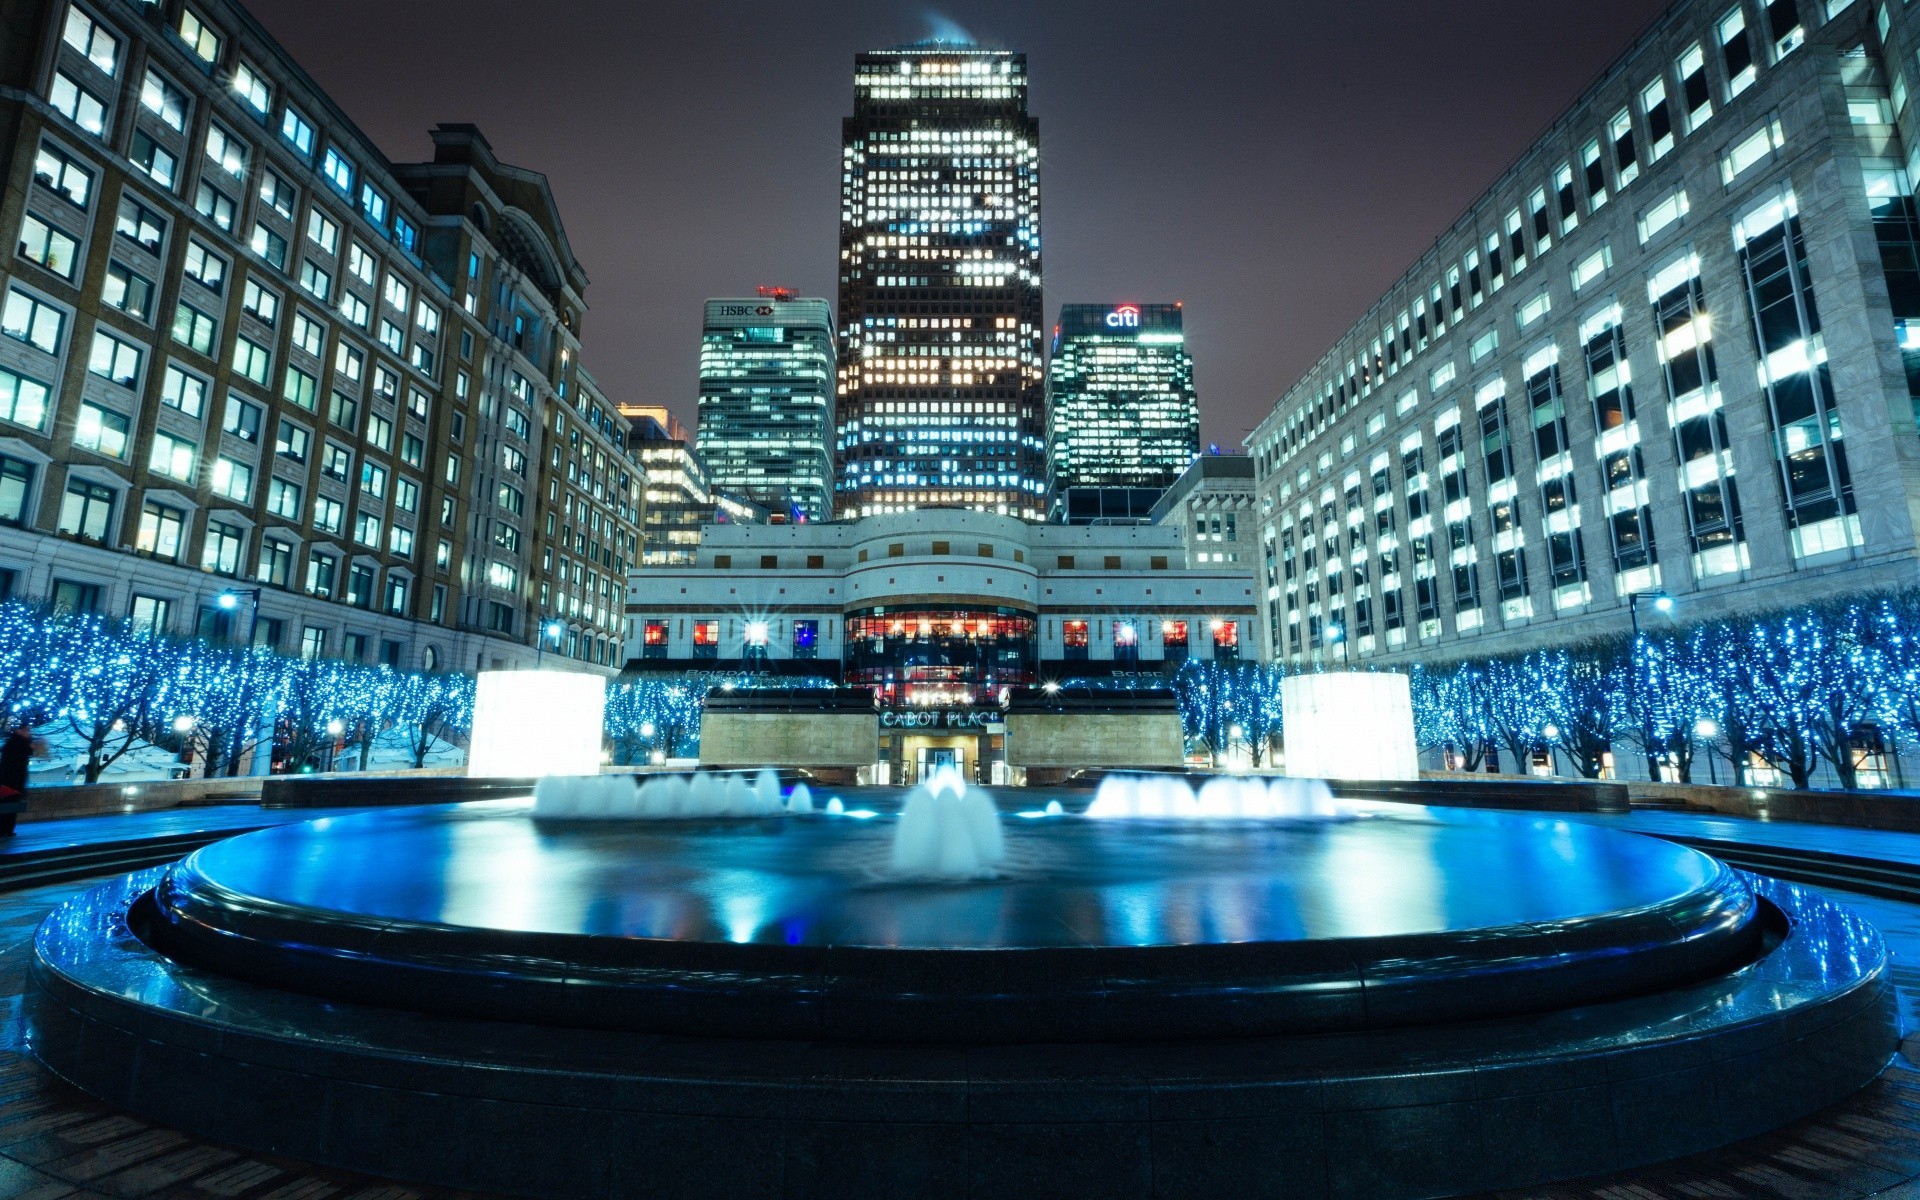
(766, 401)
(1120, 401)
(941, 394)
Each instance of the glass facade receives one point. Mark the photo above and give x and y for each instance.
(898, 651)
(766, 402)
(940, 396)
(1121, 408)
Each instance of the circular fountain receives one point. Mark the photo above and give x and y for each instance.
(1158, 984)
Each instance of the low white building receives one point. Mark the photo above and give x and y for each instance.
(939, 605)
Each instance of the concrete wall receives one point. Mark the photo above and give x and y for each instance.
(749, 739)
(1070, 741)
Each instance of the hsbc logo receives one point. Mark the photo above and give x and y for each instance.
(765, 310)
(1127, 316)
(746, 310)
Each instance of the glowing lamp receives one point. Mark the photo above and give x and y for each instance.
(1663, 604)
(1349, 725)
(229, 601)
(183, 724)
(532, 723)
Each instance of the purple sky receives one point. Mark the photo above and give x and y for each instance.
(1275, 165)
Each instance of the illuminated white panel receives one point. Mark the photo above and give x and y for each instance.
(532, 723)
(1349, 725)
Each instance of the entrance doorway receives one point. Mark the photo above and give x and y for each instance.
(922, 756)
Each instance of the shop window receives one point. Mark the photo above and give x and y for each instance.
(1173, 640)
(706, 639)
(1126, 643)
(1226, 640)
(806, 639)
(654, 641)
(1074, 634)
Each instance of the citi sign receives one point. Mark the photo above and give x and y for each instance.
(1127, 316)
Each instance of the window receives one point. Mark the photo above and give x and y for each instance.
(1655, 220)
(1783, 26)
(309, 336)
(398, 589)
(1755, 148)
(344, 411)
(336, 462)
(316, 280)
(321, 574)
(33, 321)
(1694, 93)
(23, 401)
(329, 515)
(400, 541)
(215, 205)
(270, 247)
(338, 170)
(252, 359)
(512, 500)
(276, 192)
(243, 419)
(413, 450)
(193, 328)
(172, 457)
(114, 359)
(427, 317)
(183, 392)
(1534, 308)
(250, 89)
(276, 562)
(283, 499)
(1592, 267)
(313, 640)
(406, 495)
(1226, 639)
(373, 204)
(164, 101)
(199, 37)
(354, 309)
(706, 639)
(101, 430)
(297, 131)
(1483, 346)
(52, 249)
(62, 174)
(291, 441)
(349, 362)
(224, 548)
(322, 231)
(205, 267)
(92, 40)
(140, 224)
(259, 303)
(78, 105)
(160, 531)
(1074, 637)
(159, 163)
(1596, 176)
(86, 510)
(16, 484)
(406, 235)
(151, 614)
(1653, 103)
(392, 337)
(300, 388)
(1736, 51)
(227, 151)
(373, 480)
(127, 291)
(366, 529)
(379, 431)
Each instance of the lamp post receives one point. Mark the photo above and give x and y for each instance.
(1551, 734)
(1706, 728)
(229, 601)
(1662, 603)
(550, 627)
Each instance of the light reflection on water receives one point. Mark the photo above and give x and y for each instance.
(1068, 881)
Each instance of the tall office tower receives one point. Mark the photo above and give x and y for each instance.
(766, 401)
(1121, 410)
(941, 396)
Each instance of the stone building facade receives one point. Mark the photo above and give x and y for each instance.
(244, 350)
(1668, 352)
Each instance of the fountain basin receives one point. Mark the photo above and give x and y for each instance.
(792, 927)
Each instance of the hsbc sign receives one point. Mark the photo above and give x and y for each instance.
(746, 310)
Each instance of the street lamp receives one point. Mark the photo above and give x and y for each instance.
(1705, 728)
(335, 728)
(1550, 733)
(550, 627)
(229, 601)
(1663, 604)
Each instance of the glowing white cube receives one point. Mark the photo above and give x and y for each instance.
(532, 723)
(1349, 725)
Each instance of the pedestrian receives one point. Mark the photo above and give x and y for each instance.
(19, 747)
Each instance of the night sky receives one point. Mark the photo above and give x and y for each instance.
(1274, 165)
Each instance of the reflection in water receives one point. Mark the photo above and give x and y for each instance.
(819, 880)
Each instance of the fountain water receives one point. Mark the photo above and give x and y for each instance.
(801, 801)
(948, 830)
(1222, 797)
(616, 797)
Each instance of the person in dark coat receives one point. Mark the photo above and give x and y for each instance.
(18, 748)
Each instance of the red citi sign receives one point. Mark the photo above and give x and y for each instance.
(1127, 316)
